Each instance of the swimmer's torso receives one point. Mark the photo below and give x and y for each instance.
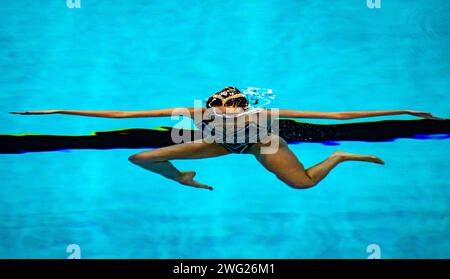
(237, 132)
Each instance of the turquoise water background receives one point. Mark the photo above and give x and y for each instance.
(132, 55)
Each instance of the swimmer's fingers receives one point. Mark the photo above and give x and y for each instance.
(433, 117)
(428, 115)
(425, 115)
(33, 112)
(17, 112)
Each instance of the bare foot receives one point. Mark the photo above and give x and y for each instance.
(187, 178)
(345, 156)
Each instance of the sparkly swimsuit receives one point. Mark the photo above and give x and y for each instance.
(236, 137)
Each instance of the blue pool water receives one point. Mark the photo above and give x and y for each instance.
(131, 55)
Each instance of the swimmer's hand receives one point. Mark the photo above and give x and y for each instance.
(424, 114)
(35, 112)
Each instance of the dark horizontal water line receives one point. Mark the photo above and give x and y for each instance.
(292, 131)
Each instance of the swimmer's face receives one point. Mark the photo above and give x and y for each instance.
(228, 109)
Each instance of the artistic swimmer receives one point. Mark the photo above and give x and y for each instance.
(230, 125)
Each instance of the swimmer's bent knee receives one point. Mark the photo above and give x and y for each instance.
(134, 159)
(302, 184)
(138, 158)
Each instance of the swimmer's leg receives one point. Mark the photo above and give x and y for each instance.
(157, 160)
(285, 165)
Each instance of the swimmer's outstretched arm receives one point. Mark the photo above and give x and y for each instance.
(353, 114)
(118, 113)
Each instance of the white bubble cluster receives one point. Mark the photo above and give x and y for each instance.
(258, 97)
